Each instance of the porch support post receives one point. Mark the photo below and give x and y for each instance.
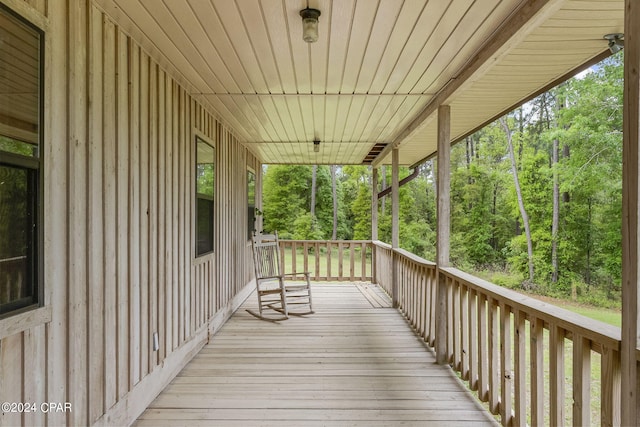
(395, 216)
(374, 223)
(630, 404)
(443, 229)
(374, 204)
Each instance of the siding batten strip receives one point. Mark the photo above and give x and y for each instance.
(96, 222)
(153, 210)
(55, 200)
(146, 326)
(135, 244)
(162, 279)
(77, 249)
(167, 256)
(122, 198)
(110, 230)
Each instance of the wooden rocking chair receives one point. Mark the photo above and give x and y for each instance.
(273, 293)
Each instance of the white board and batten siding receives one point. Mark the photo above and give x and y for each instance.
(119, 227)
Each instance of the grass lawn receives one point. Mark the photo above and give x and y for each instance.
(605, 315)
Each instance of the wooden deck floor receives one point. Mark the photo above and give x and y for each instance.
(351, 363)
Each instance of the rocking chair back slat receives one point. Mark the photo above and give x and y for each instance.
(267, 260)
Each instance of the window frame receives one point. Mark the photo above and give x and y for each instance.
(197, 196)
(251, 218)
(25, 316)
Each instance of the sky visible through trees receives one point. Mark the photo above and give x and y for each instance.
(567, 156)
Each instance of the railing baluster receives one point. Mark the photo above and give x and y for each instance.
(520, 371)
(422, 300)
(317, 256)
(415, 295)
(340, 263)
(506, 375)
(457, 351)
(294, 249)
(494, 355)
(537, 371)
(329, 247)
(473, 339)
(352, 261)
(305, 249)
(433, 284)
(483, 350)
(363, 260)
(406, 278)
(556, 375)
(581, 381)
(450, 324)
(611, 383)
(283, 248)
(464, 329)
(404, 283)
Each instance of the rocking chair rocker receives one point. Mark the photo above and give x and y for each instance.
(273, 293)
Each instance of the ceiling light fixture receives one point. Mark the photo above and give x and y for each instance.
(616, 42)
(310, 24)
(316, 145)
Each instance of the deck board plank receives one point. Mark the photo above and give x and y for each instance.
(352, 362)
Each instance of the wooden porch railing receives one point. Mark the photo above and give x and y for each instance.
(330, 260)
(533, 363)
(511, 348)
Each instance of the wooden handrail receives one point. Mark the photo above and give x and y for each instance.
(568, 320)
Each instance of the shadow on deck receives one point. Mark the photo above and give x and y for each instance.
(353, 363)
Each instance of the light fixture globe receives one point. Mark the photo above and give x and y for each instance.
(616, 41)
(310, 24)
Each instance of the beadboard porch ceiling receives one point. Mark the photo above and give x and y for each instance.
(377, 73)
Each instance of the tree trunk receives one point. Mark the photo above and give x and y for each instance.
(434, 174)
(566, 154)
(313, 190)
(384, 187)
(555, 222)
(494, 238)
(587, 277)
(334, 193)
(523, 212)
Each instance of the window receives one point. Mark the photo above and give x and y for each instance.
(251, 202)
(21, 94)
(205, 181)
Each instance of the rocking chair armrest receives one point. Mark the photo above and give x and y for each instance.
(303, 273)
(269, 277)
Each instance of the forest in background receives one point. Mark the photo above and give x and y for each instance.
(536, 196)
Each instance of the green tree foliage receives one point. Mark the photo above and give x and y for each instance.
(284, 195)
(287, 197)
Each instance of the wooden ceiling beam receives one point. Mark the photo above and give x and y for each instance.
(522, 21)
